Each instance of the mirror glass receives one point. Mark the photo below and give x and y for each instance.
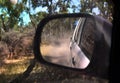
(68, 41)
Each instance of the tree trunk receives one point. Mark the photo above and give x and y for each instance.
(3, 24)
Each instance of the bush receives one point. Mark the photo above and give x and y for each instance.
(17, 44)
(4, 51)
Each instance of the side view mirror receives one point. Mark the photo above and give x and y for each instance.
(87, 50)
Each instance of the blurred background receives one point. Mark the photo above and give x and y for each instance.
(18, 23)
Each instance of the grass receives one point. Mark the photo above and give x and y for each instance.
(12, 68)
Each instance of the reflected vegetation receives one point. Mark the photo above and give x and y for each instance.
(59, 45)
(56, 40)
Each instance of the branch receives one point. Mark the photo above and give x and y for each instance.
(3, 24)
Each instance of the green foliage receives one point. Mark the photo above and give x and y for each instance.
(87, 5)
(105, 7)
(52, 5)
(10, 14)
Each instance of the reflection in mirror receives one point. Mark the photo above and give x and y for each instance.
(65, 42)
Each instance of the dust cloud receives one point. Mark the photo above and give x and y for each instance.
(57, 52)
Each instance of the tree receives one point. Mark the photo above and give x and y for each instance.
(52, 5)
(11, 13)
(87, 5)
(105, 7)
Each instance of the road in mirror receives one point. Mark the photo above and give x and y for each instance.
(65, 42)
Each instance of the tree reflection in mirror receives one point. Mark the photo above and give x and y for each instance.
(65, 41)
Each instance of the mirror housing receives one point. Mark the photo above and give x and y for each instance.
(99, 63)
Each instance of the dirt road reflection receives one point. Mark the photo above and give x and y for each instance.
(57, 52)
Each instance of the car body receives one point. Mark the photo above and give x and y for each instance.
(95, 41)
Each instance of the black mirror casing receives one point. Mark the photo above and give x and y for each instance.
(37, 37)
(99, 63)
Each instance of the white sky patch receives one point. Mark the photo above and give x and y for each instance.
(0, 11)
(25, 18)
(96, 11)
(40, 9)
(76, 3)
